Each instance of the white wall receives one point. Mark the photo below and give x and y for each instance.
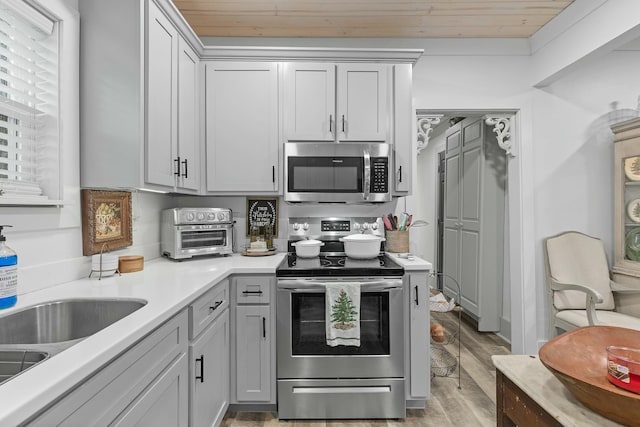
(573, 149)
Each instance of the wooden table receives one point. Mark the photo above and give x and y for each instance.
(528, 394)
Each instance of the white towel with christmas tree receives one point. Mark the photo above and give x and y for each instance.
(342, 313)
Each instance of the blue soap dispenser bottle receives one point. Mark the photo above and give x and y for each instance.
(8, 273)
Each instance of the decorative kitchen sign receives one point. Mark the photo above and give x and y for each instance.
(106, 220)
(262, 211)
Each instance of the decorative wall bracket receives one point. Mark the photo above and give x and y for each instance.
(502, 129)
(425, 127)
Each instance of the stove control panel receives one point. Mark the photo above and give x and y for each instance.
(332, 228)
(335, 225)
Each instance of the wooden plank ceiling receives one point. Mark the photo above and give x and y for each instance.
(369, 18)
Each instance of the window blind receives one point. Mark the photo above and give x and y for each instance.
(29, 137)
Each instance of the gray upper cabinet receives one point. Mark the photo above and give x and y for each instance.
(242, 127)
(403, 129)
(336, 102)
(138, 97)
(474, 220)
(189, 141)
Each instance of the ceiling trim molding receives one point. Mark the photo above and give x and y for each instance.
(259, 53)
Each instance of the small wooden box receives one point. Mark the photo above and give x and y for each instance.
(130, 263)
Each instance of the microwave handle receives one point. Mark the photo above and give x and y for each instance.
(367, 174)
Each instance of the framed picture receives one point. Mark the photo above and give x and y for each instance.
(106, 220)
(262, 211)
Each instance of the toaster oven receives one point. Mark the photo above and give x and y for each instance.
(190, 232)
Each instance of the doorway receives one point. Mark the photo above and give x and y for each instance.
(432, 184)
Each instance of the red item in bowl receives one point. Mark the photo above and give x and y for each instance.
(623, 367)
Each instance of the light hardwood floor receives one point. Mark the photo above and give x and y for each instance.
(472, 405)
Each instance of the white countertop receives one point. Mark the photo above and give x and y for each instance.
(167, 286)
(528, 373)
(410, 264)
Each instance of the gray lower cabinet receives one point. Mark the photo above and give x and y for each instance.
(145, 386)
(417, 360)
(253, 340)
(209, 389)
(473, 236)
(209, 357)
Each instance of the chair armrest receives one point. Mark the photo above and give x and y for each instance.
(593, 297)
(623, 289)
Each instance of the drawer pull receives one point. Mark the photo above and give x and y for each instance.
(214, 306)
(264, 327)
(201, 376)
(252, 292)
(417, 300)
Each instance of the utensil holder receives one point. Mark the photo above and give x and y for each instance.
(397, 241)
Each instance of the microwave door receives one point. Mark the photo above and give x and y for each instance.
(326, 179)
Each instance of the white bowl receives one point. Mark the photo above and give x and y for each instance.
(362, 246)
(307, 248)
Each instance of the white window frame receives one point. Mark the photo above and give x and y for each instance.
(46, 188)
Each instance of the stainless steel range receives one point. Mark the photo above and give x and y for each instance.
(319, 381)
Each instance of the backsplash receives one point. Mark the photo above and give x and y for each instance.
(49, 256)
(52, 254)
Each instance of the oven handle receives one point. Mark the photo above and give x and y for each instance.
(307, 285)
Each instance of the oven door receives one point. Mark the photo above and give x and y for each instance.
(205, 239)
(301, 340)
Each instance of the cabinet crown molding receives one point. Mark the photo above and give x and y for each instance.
(396, 56)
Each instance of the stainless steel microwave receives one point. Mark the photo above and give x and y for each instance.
(337, 172)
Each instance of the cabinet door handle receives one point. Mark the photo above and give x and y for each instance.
(177, 162)
(252, 292)
(417, 300)
(343, 123)
(273, 174)
(201, 376)
(264, 327)
(400, 171)
(186, 172)
(214, 306)
(330, 123)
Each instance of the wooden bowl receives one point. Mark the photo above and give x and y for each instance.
(130, 263)
(578, 358)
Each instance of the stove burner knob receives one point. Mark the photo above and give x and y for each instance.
(200, 216)
(356, 226)
(305, 226)
(222, 216)
(211, 217)
(374, 225)
(365, 226)
(190, 216)
(296, 226)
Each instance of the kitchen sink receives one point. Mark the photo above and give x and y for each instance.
(64, 320)
(13, 362)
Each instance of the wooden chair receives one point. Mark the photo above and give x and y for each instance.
(579, 287)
